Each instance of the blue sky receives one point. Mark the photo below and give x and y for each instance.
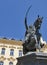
(12, 15)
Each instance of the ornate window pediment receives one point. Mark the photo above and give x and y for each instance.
(11, 59)
(2, 58)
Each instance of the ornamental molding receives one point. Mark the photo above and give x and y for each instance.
(2, 58)
(12, 47)
(44, 49)
(11, 59)
(11, 42)
(4, 46)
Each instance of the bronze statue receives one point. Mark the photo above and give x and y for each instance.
(32, 35)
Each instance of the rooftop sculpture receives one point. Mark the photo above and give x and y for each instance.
(32, 35)
(33, 41)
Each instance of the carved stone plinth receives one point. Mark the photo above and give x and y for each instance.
(33, 58)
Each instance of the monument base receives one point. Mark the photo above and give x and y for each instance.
(33, 58)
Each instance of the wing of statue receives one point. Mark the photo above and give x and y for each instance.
(26, 26)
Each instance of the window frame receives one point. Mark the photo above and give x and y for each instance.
(20, 53)
(1, 63)
(3, 51)
(10, 63)
(11, 52)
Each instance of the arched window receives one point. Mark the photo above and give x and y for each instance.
(11, 52)
(3, 51)
(10, 63)
(1, 63)
(20, 53)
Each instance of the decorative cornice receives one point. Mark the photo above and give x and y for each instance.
(12, 47)
(12, 42)
(45, 46)
(44, 49)
(11, 59)
(3, 46)
(2, 58)
(19, 48)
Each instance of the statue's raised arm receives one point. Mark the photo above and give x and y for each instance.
(38, 23)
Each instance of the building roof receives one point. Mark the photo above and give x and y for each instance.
(13, 42)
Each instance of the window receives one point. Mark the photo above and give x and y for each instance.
(1, 63)
(20, 53)
(11, 52)
(3, 51)
(10, 63)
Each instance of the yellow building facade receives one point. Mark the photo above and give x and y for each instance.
(9, 51)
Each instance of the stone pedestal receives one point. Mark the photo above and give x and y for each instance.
(33, 58)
